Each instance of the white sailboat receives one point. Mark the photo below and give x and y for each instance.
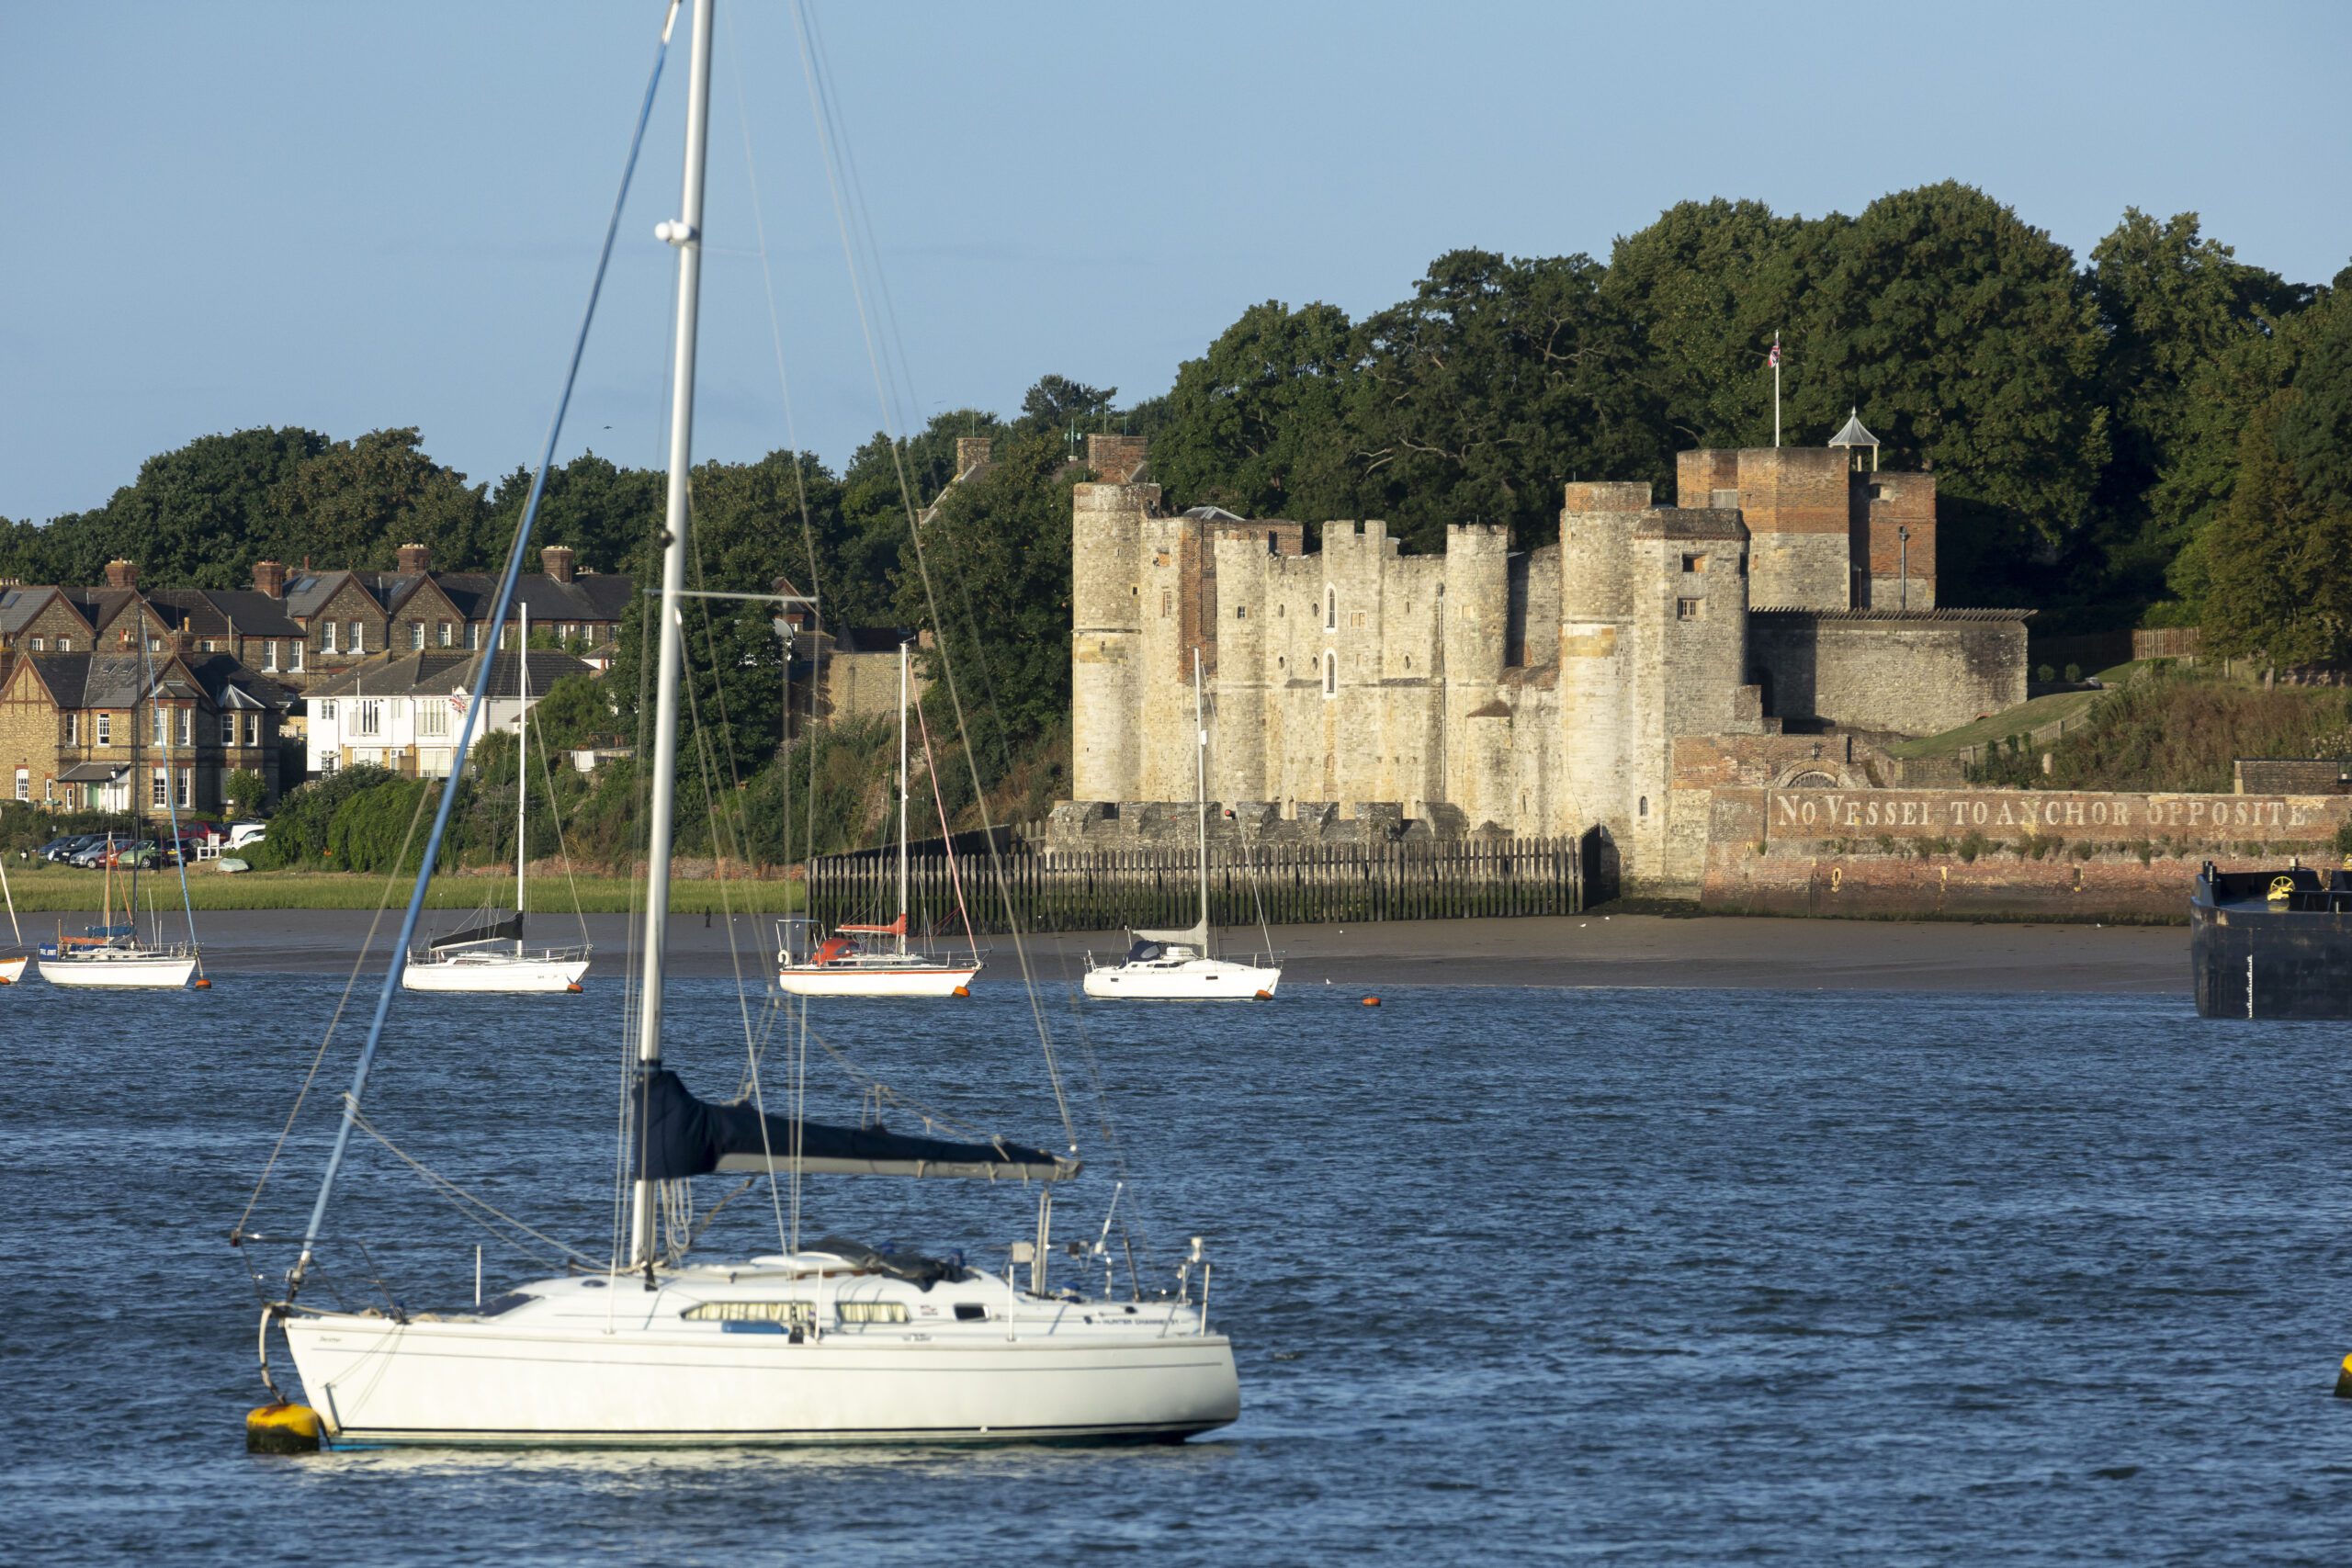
(1178, 965)
(842, 965)
(111, 957)
(829, 1343)
(489, 956)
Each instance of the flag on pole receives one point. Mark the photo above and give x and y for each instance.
(1773, 359)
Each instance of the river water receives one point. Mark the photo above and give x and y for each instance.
(1657, 1275)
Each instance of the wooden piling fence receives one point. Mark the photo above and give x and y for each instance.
(1289, 884)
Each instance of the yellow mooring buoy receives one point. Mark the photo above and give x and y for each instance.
(284, 1428)
(2343, 1379)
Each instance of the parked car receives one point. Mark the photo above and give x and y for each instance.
(138, 851)
(59, 848)
(94, 853)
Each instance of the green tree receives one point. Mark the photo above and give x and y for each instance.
(1971, 346)
(355, 502)
(999, 563)
(1056, 402)
(245, 792)
(1498, 379)
(1691, 281)
(2279, 557)
(2180, 315)
(1259, 424)
(610, 516)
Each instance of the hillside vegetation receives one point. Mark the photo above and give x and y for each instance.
(2179, 729)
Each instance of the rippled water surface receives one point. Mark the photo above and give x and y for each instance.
(1662, 1275)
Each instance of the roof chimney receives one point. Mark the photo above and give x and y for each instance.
(269, 577)
(121, 573)
(972, 452)
(1116, 459)
(415, 560)
(556, 560)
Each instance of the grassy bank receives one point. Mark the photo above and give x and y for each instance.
(54, 890)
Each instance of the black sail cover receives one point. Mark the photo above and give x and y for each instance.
(684, 1136)
(508, 928)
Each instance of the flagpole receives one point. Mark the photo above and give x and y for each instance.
(1776, 389)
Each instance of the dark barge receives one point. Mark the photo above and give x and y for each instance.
(2272, 943)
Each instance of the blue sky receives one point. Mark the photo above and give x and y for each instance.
(354, 216)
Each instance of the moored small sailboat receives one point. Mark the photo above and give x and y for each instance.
(478, 958)
(843, 966)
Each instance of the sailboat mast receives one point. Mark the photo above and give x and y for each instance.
(685, 232)
(1201, 795)
(902, 799)
(522, 790)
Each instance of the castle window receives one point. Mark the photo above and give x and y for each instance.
(1330, 609)
(1643, 808)
(1357, 619)
(1331, 674)
(1687, 609)
(1241, 612)
(1694, 563)
(1878, 493)
(1167, 602)
(1408, 661)
(1724, 500)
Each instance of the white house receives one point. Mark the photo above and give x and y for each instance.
(405, 714)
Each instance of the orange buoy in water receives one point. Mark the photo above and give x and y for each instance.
(962, 991)
(1264, 997)
(573, 987)
(203, 985)
(1372, 1001)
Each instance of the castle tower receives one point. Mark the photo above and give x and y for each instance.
(1798, 506)
(1106, 637)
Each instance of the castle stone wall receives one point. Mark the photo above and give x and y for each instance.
(1916, 674)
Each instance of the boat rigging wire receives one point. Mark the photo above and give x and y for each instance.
(820, 105)
(503, 604)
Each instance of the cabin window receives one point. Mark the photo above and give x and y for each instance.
(1687, 609)
(970, 1312)
(800, 1313)
(1331, 675)
(874, 1311)
(1694, 563)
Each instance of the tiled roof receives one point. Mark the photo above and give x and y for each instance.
(433, 674)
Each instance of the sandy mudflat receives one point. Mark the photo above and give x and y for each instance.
(1624, 950)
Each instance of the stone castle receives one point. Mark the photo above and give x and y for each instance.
(1787, 596)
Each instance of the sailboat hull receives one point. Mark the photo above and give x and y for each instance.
(495, 973)
(377, 1382)
(877, 980)
(12, 970)
(106, 971)
(1200, 980)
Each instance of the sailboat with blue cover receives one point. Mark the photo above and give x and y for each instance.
(830, 1342)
